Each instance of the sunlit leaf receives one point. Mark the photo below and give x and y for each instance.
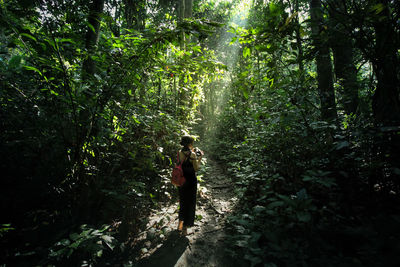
(33, 69)
(246, 52)
(29, 36)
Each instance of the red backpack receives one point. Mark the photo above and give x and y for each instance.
(177, 177)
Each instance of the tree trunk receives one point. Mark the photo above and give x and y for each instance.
(324, 65)
(342, 46)
(135, 14)
(385, 102)
(346, 73)
(114, 27)
(188, 8)
(92, 35)
(299, 44)
(181, 16)
(129, 12)
(159, 93)
(185, 11)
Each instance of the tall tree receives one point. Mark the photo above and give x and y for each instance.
(181, 16)
(92, 35)
(386, 103)
(135, 14)
(342, 46)
(324, 64)
(188, 8)
(299, 43)
(184, 11)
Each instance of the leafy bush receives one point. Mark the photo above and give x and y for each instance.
(88, 245)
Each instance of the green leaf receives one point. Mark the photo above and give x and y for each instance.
(51, 43)
(54, 92)
(246, 52)
(108, 240)
(242, 222)
(135, 119)
(14, 62)
(273, 8)
(29, 36)
(245, 92)
(66, 40)
(303, 216)
(197, 49)
(327, 182)
(258, 209)
(378, 8)
(33, 69)
(74, 236)
(253, 259)
(63, 242)
(99, 253)
(91, 27)
(342, 144)
(234, 39)
(241, 243)
(75, 245)
(275, 204)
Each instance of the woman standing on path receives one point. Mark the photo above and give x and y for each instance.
(187, 192)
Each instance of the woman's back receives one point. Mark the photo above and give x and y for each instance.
(187, 166)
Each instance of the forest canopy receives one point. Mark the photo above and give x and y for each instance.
(297, 100)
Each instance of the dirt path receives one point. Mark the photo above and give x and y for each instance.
(204, 245)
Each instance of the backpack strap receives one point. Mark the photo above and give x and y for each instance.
(178, 159)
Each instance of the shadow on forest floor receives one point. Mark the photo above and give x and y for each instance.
(169, 253)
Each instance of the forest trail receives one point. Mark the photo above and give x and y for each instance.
(204, 245)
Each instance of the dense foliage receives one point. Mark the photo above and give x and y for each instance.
(91, 115)
(316, 189)
(298, 100)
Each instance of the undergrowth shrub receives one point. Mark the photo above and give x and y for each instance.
(304, 192)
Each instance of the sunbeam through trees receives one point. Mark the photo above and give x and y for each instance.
(295, 103)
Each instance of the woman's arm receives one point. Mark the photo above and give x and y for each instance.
(195, 161)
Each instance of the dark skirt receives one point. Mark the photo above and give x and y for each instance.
(187, 195)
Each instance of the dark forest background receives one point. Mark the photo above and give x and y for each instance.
(299, 103)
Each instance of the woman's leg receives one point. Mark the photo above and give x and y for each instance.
(182, 207)
(190, 205)
(180, 225)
